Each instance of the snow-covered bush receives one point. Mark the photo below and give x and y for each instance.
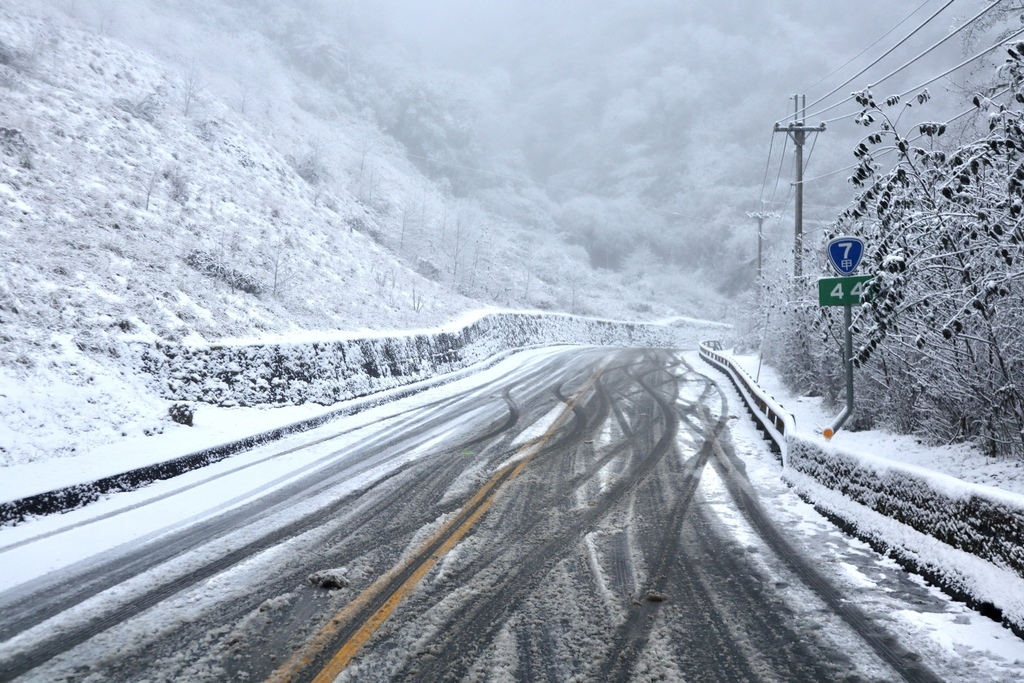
(145, 107)
(947, 241)
(208, 264)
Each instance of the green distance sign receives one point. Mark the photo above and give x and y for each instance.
(843, 291)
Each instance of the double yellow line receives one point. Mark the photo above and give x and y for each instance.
(408, 574)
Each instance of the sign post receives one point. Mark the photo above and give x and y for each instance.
(844, 253)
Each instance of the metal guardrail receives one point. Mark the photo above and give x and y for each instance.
(772, 419)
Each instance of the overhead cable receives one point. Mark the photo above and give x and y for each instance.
(861, 53)
(920, 56)
(884, 54)
(767, 165)
(888, 150)
(778, 177)
(942, 75)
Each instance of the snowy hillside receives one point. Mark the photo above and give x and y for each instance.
(123, 210)
(123, 216)
(136, 203)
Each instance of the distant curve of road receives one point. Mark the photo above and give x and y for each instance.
(551, 525)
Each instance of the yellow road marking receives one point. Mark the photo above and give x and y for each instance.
(481, 502)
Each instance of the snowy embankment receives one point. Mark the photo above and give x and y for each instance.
(328, 371)
(968, 538)
(325, 371)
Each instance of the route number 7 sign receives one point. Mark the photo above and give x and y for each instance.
(845, 253)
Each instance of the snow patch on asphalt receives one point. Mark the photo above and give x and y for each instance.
(539, 428)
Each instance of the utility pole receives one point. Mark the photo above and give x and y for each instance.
(760, 216)
(797, 131)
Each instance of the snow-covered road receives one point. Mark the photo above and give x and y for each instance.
(569, 514)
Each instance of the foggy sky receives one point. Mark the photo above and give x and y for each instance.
(744, 58)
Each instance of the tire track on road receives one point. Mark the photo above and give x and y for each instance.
(883, 643)
(478, 623)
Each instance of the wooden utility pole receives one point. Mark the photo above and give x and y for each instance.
(797, 131)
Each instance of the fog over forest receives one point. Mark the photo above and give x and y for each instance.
(660, 114)
(596, 158)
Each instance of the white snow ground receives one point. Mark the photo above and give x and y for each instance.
(984, 581)
(961, 461)
(108, 184)
(48, 543)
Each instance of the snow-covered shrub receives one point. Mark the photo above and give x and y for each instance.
(947, 235)
(209, 264)
(428, 269)
(12, 140)
(12, 57)
(182, 413)
(178, 184)
(144, 108)
(938, 344)
(311, 165)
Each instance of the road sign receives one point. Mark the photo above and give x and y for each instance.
(845, 253)
(843, 291)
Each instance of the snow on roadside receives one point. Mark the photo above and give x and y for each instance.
(962, 644)
(540, 427)
(961, 461)
(212, 426)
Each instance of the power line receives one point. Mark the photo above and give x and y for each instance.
(943, 74)
(861, 53)
(767, 165)
(782, 161)
(920, 56)
(964, 63)
(886, 53)
(810, 154)
(911, 139)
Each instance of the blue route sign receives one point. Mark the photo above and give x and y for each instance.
(845, 253)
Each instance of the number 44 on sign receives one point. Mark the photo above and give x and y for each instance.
(843, 291)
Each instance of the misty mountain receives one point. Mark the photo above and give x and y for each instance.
(236, 167)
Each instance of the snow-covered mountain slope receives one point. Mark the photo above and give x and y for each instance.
(137, 204)
(128, 212)
(121, 209)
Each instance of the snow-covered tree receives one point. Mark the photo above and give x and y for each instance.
(941, 337)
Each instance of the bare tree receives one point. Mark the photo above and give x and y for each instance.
(151, 185)
(405, 221)
(476, 262)
(458, 244)
(281, 273)
(417, 299)
(192, 86)
(179, 184)
(575, 280)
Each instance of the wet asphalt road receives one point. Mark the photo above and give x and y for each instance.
(554, 525)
